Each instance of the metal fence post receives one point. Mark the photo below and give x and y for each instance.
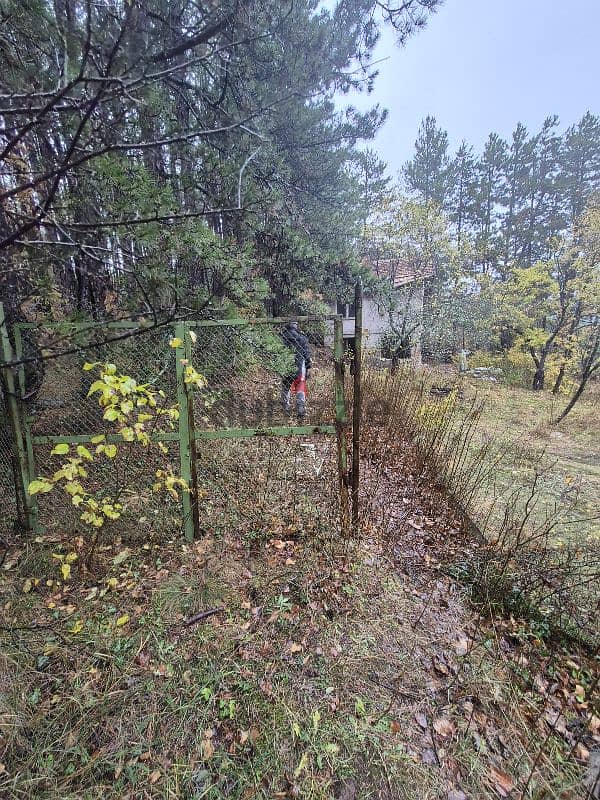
(14, 413)
(341, 421)
(187, 434)
(357, 403)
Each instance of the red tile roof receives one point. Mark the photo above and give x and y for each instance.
(399, 272)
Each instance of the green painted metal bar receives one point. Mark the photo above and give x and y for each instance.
(218, 323)
(202, 323)
(15, 416)
(31, 468)
(341, 419)
(357, 402)
(245, 433)
(111, 438)
(222, 433)
(191, 428)
(185, 444)
(85, 327)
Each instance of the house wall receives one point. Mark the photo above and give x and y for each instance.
(375, 324)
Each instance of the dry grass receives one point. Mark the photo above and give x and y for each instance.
(321, 679)
(340, 672)
(523, 419)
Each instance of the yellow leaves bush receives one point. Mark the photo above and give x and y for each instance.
(139, 412)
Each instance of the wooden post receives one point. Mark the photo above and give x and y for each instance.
(14, 413)
(341, 420)
(27, 437)
(357, 403)
(187, 435)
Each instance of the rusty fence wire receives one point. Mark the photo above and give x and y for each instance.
(251, 464)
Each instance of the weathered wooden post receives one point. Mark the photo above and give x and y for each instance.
(357, 404)
(341, 421)
(13, 407)
(187, 434)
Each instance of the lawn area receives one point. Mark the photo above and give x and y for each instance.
(569, 451)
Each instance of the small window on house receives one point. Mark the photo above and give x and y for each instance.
(346, 310)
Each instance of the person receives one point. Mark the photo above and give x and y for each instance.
(295, 381)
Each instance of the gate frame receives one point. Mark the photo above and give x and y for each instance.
(187, 435)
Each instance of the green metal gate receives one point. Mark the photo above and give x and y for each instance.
(245, 460)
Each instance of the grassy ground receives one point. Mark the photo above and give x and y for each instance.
(320, 671)
(319, 676)
(569, 451)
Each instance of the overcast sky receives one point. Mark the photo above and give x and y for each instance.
(483, 65)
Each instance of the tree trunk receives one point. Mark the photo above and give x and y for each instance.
(539, 377)
(573, 399)
(559, 380)
(590, 367)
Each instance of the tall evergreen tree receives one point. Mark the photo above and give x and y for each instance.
(461, 192)
(542, 217)
(580, 164)
(490, 175)
(518, 167)
(426, 174)
(373, 182)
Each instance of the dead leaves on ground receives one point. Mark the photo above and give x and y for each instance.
(501, 781)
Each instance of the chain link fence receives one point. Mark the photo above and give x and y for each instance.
(249, 460)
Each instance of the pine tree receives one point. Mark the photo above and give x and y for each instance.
(488, 194)
(373, 182)
(542, 216)
(461, 192)
(518, 167)
(580, 164)
(427, 173)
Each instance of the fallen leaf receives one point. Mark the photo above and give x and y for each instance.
(462, 646)
(142, 658)
(581, 752)
(207, 748)
(123, 620)
(428, 757)
(154, 776)
(556, 721)
(503, 783)
(422, 720)
(444, 726)
(395, 726)
(254, 734)
(295, 647)
(120, 557)
(439, 666)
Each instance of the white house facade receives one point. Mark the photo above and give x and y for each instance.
(376, 319)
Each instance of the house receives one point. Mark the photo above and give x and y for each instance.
(404, 322)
